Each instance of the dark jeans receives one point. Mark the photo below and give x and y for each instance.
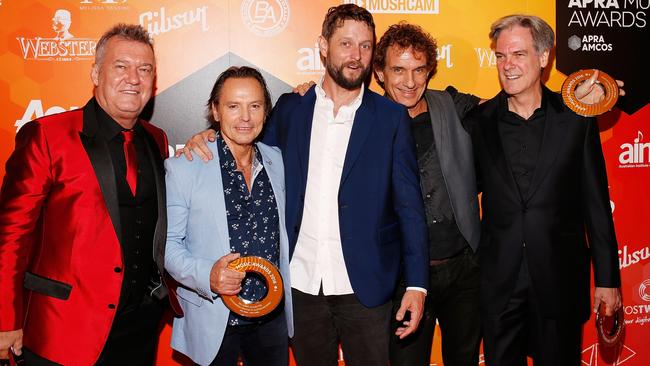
(322, 322)
(453, 299)
(520, 330)
(264, 344)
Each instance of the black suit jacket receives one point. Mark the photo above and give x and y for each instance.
(564, 219)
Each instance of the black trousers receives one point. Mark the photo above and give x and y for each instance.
(262, 344)
(520, 330)
(322, 322)
(132, 340)
(453, 300)
(134, 336)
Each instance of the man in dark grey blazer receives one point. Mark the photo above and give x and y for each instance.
(405, 61)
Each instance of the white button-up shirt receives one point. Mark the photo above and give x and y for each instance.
(318, 256)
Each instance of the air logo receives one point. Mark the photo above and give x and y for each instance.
(309, 61)
(635, 154)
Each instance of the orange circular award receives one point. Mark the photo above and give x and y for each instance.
(588, 110)
(274, 285)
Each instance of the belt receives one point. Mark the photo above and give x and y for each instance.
(437, 262)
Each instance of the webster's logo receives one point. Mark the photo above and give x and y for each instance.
(63, 46)
(635, 154)
(398, 6)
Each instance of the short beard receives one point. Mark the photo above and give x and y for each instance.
(337, 75)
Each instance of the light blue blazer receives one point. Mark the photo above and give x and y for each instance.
(197, 236)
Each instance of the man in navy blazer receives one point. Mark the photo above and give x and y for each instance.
(354, 214)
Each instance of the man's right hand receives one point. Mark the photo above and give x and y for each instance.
(223, 280)
(303, 88)
(197, 144)
(11, 339)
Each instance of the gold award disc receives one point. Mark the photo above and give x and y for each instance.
(274, 286)
(588, 110)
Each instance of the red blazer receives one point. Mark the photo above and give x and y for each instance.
(60, 255)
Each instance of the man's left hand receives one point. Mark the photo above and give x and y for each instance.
(611, 297)
(590, 92)
(413, 302)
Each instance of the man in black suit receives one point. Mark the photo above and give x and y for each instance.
(546, 210)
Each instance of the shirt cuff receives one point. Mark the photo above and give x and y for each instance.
(417, 289)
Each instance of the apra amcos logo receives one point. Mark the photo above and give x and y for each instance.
(398, 6)
(635, 154)
(63, 46)
(35, 110)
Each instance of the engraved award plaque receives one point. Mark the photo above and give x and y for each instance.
(271, 276)
(588, 110)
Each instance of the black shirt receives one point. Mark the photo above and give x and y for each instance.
(445, 239)
(138, 215)
(522, 140)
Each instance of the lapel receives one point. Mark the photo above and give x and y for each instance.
(554, 133)
(302, 118)
(100, 158)
(363, 120)
(275, 173)
(214, 193)
(160, 233)
(494, 144)
(438, 120)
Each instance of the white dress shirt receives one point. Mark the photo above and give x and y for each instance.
(318, 256)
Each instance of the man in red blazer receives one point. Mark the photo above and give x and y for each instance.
(83, 221)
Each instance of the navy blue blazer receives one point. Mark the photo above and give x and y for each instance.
(381, 214)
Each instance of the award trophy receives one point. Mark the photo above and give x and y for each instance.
(589, 110)
(610, 329)
(273, 281)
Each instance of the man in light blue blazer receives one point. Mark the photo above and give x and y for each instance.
(207, 204)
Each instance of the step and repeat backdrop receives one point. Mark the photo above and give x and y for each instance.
(47, 49)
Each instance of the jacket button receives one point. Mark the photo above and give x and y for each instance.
(117, 269)
(111, 306)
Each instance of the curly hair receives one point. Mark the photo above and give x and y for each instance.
(405, 36)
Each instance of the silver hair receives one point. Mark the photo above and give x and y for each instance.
(543, 35)
(130, 32)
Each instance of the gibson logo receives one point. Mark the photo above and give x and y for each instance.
(62, 47)
(158, 22)
(626, 259)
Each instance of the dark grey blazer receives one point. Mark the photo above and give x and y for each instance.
(454, 148)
